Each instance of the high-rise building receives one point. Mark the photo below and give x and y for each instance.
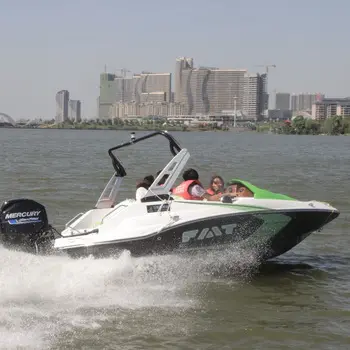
(224, 86)
(211, 90)
(255, 100)
(304, 101)
(331, 107)
(282, 101)
(123, 89)
(182, 63)
(151, 83)
(74, 111)
(108, 91)
(120, 89)
(62, 98)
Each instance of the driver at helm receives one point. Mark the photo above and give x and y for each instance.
(192, 189)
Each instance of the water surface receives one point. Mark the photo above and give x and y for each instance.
(298, 301)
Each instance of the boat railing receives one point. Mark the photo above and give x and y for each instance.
(76, 217)
(113, 211)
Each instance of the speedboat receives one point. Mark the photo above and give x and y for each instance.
(266, 223)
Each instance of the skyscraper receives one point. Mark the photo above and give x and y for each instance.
(255, 98)
(182, 63)
(282, 101)
(304, 101)
(211, 90)
(121, 89)
(108, 89)
(74, 111)
(146, 83)
(62, 98)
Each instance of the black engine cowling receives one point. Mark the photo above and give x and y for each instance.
(24, 225)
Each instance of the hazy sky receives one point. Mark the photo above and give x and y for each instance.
(49, 45)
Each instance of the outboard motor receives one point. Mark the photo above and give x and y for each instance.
(24, 225)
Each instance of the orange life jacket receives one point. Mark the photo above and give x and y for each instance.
(211, 192)
(182, 190)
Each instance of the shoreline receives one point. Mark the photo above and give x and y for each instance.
(169, 129)
(263, 128)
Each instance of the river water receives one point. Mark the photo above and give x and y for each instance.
(220, 301)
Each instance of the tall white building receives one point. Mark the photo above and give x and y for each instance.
(182, 63)
(62, 98)
(120, 89)
(255, 96)
(108, 92)
(211, 90)
(152, 83)
(74, 111)
(304, 101)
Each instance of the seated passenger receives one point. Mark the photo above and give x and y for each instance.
(243, 191)
(216, 185)
(239, 190)
(143, 186)
(192, 189)
(149, 178)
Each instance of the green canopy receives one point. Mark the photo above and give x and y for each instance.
(259, 193)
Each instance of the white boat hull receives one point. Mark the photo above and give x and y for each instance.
(162, 227)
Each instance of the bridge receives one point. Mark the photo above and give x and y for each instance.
(5, 119)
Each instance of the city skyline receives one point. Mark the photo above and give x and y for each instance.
(197, 91)
(37, 63)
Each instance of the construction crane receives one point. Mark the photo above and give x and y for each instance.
(267, 66)
(123, 71)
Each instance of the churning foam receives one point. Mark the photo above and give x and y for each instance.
(41, 297)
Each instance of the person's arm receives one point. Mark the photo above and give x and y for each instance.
(199, 191)
(214, 197)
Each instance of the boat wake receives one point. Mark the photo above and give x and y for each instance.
(44, 297)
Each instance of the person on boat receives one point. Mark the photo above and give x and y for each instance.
(216, 185)
(143, 186)
(239, 190)
(192, 189)
(149, 178)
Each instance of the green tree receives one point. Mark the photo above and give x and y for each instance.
(312, 127)
(346, 123)
(334, 125)
(286, 128)
(298, 124)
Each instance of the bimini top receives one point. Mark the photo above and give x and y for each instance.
(260, 193)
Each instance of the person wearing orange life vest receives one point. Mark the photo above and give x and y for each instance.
(216, 185)
(192, 189)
